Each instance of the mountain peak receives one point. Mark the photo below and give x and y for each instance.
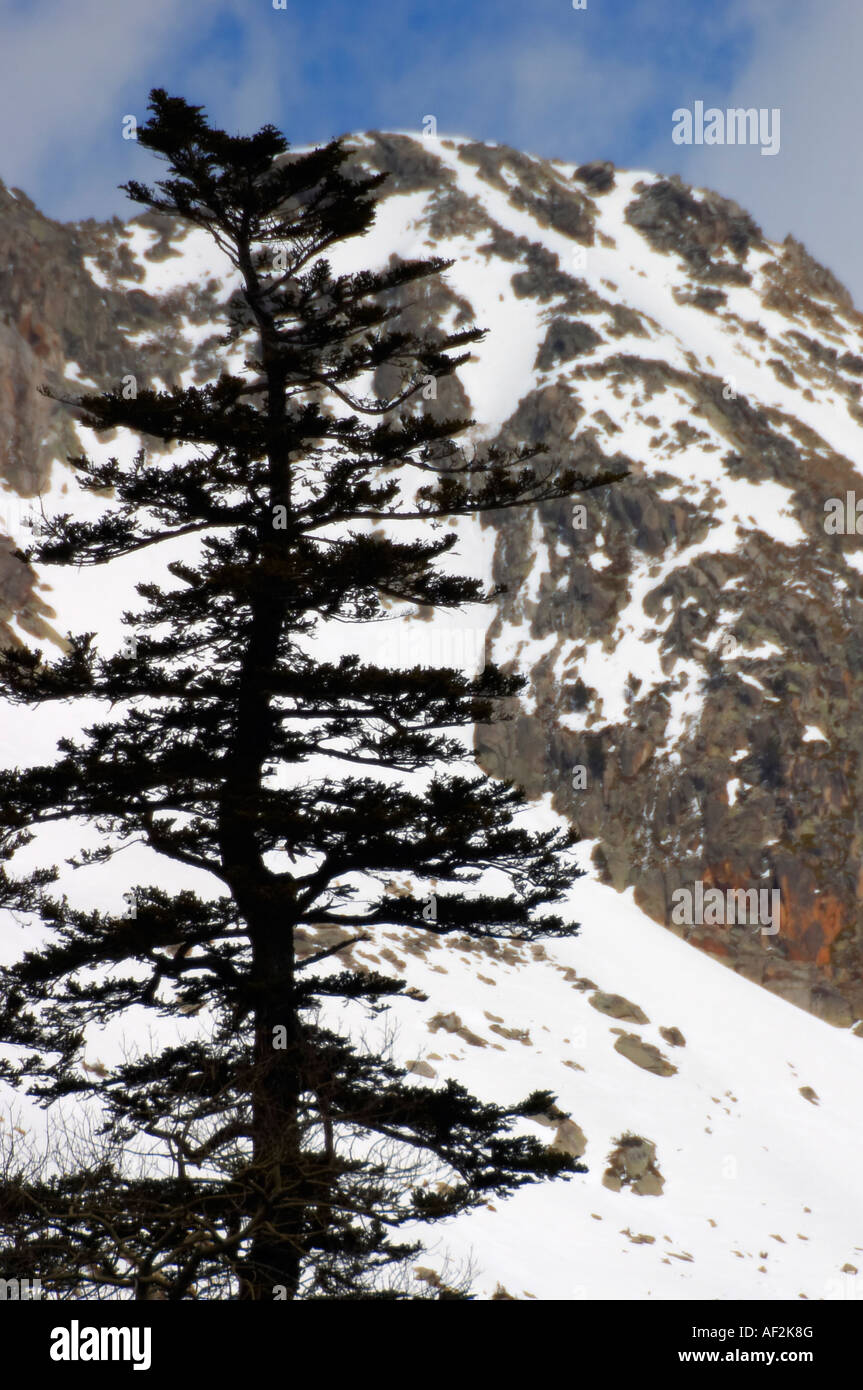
(683, 629)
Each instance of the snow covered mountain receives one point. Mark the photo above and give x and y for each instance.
(692, 639)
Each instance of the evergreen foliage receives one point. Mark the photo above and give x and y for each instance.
(284, 1157)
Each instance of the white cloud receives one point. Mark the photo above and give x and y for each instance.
(66, 67)
(804, 59)
(560, 101)
(71, 72)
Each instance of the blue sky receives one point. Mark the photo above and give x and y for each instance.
(601, 82)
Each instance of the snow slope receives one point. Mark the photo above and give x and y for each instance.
(761, 1197)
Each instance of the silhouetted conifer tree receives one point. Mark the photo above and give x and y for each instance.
(288, 1155)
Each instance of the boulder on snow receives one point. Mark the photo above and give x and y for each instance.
(616, 1006)
(644, 1055)
(632, 1163)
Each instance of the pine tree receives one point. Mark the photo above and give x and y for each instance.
(288, 1155)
